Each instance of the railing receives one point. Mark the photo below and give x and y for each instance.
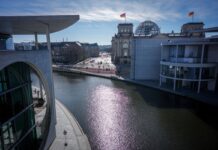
(15, 88)
(13, 140)
(185, 60)
(186, 79)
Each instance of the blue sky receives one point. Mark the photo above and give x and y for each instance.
(99, 18)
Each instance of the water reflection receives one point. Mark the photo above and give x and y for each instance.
(105, 108)
(120, 116)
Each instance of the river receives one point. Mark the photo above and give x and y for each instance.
(119, 116)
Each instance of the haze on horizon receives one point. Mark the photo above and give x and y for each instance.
(99, 19)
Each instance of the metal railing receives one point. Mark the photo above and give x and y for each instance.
(8, 122)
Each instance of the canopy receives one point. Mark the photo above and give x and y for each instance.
(35, 24)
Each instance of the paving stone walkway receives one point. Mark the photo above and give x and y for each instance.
(74, 139)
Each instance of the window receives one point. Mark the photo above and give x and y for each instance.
(17, 120)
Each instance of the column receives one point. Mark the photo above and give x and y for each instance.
(161, 57)
(199, 77)
(48, 38)
(36, 41)
(174, 80)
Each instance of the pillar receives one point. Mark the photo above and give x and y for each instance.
(161, 57)
(174, 80)
(36, 41)
(199, 77)
(48, 39)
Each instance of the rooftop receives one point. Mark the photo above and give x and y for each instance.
(194, 23)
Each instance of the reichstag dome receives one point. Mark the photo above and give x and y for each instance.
(147, 28)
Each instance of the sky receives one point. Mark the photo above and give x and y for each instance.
(99, 18)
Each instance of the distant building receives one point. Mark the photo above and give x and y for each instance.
(90, 50)
(67, 52)
(146, 47)
(73, 52)
(145, 56)
(121, 44)
(193, 26)
(25, 46)
(105, 48)
(147, 28)
(187, 59)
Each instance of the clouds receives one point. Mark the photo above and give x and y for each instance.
(94, 10)
(135, 10)
(109, 10)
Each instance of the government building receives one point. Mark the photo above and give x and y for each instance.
(121, 44)
(24, 124)
(184, 60)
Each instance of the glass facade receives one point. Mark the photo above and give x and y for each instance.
(6, 42)
(3, 38)
(17, 119)
(147, 28)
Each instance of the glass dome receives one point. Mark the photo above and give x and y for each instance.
(147, 28)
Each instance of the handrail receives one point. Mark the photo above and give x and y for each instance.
(15, 88)
(17, 115)
(23, 137)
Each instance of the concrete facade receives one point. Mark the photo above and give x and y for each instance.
(44, 71)
(121, 44)
(146, 57)
(38, 60)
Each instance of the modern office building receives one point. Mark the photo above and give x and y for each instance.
(19, 127)
(145, 57)
(187, 59)
(121, 44)
(145, 53)
(190, 64)
(146, 46)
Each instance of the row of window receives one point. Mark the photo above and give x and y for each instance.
(187, 72)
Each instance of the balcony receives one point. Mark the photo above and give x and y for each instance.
(185, 60)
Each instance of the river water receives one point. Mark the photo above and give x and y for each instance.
(119, 116)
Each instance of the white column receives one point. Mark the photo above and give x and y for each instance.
(161, 57)
(174, 81)
(161, 52)
(199, 77)
(36, 41)
(48, 39)
(160, 77)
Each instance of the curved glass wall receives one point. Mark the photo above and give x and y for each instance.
(17, 113)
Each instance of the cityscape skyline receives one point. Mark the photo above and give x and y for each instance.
(98, 20)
